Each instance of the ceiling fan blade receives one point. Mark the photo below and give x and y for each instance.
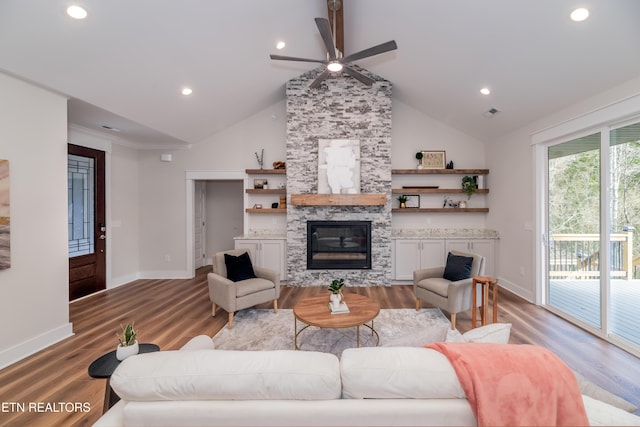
(316, 83)
(293, 58)
(358, 75)
(375, 50)
(325, 31)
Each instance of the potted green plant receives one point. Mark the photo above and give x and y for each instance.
(403, 201)
(419, 156)
(469, 186)
(127, 342)
(336, 291)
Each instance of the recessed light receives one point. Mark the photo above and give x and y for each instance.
(76, 12)
(187, 91)
(580, 14)
(280, 45)
(485, 91)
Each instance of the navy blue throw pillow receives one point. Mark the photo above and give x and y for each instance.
(239, 267)
(458, 267)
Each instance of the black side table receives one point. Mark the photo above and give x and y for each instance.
(105, 365)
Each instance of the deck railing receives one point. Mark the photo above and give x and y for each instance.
(578, 255)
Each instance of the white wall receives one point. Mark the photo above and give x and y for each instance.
(163, 190)
(34, 292)
(412, 131)
(124, 216)
(512, 190)
(225, 214)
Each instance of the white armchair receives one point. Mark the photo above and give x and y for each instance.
(233, 296)
(430, 286)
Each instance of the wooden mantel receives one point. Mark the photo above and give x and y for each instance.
(369, 199)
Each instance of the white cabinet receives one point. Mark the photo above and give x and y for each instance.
(267, 253)
(484, 247)
(413, 254)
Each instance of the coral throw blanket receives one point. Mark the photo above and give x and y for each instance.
(516, 385)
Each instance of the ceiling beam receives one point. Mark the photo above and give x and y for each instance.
(339, 26)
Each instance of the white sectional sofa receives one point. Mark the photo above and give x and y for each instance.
(377, 386)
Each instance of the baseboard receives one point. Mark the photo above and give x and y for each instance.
(517, 289)
(123, 280)
(166, 274)
(35, 344)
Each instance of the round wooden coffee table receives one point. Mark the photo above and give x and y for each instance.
(315, 312)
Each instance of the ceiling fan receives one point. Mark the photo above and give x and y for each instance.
(335, 63)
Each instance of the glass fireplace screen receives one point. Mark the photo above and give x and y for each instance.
(338, 245)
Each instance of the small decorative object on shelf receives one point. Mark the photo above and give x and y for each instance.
(265, 185)
(257, 206)
(128, 344)
(260, 158)
(279, 165)
(419, 157)
(469, 185)
(336, 292)
(450, 165)
(274, 205)
(403, 201)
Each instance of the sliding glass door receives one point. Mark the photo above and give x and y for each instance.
(592, 217)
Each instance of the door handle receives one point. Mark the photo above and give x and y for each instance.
(102, 237)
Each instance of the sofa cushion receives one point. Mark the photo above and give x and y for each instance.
(398, 373)
(228, 375)
(496, 333)
(251, 286)
(239, 267)
(427, 335)
(437, 285)
(458, 267)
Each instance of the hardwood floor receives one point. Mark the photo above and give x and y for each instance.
(170, 312)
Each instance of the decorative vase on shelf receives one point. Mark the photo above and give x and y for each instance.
(122, 352)
(403, 205)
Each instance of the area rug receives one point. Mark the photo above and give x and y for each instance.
(262, 329)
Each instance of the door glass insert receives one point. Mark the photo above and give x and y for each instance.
(624, 193)
(80, 187)
(573, 250)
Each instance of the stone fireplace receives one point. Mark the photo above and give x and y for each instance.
(341, 108)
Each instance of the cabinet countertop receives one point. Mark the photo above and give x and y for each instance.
(445, 233)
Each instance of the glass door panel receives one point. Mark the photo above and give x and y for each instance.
(573, 210)
(624, 193)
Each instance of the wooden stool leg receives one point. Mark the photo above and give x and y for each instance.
(495, 302)
(485, 302)
(213, 309)
(275, 305)
(453, 321)
(473, 304)
(417, 304)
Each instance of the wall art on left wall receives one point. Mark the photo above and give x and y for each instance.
(5, 253)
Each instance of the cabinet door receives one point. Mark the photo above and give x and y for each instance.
(458, 245)
(486, 248)
(253, 246)
(432, 253)
(406, 258)
(273, 256)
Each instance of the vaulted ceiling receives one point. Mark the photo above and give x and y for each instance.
(124, 66)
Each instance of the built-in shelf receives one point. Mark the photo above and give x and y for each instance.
(418, 190)
(266, 171)
(371, 199)
(439, 210)
(267, 191)
(440, 171)
(266, 210)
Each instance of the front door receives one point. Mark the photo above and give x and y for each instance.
(87, 223)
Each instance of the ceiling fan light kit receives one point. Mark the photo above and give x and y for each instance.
(335, 63)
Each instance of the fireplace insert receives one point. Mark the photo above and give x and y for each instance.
(338, 245)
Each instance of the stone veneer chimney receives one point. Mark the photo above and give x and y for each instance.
(341, 108)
